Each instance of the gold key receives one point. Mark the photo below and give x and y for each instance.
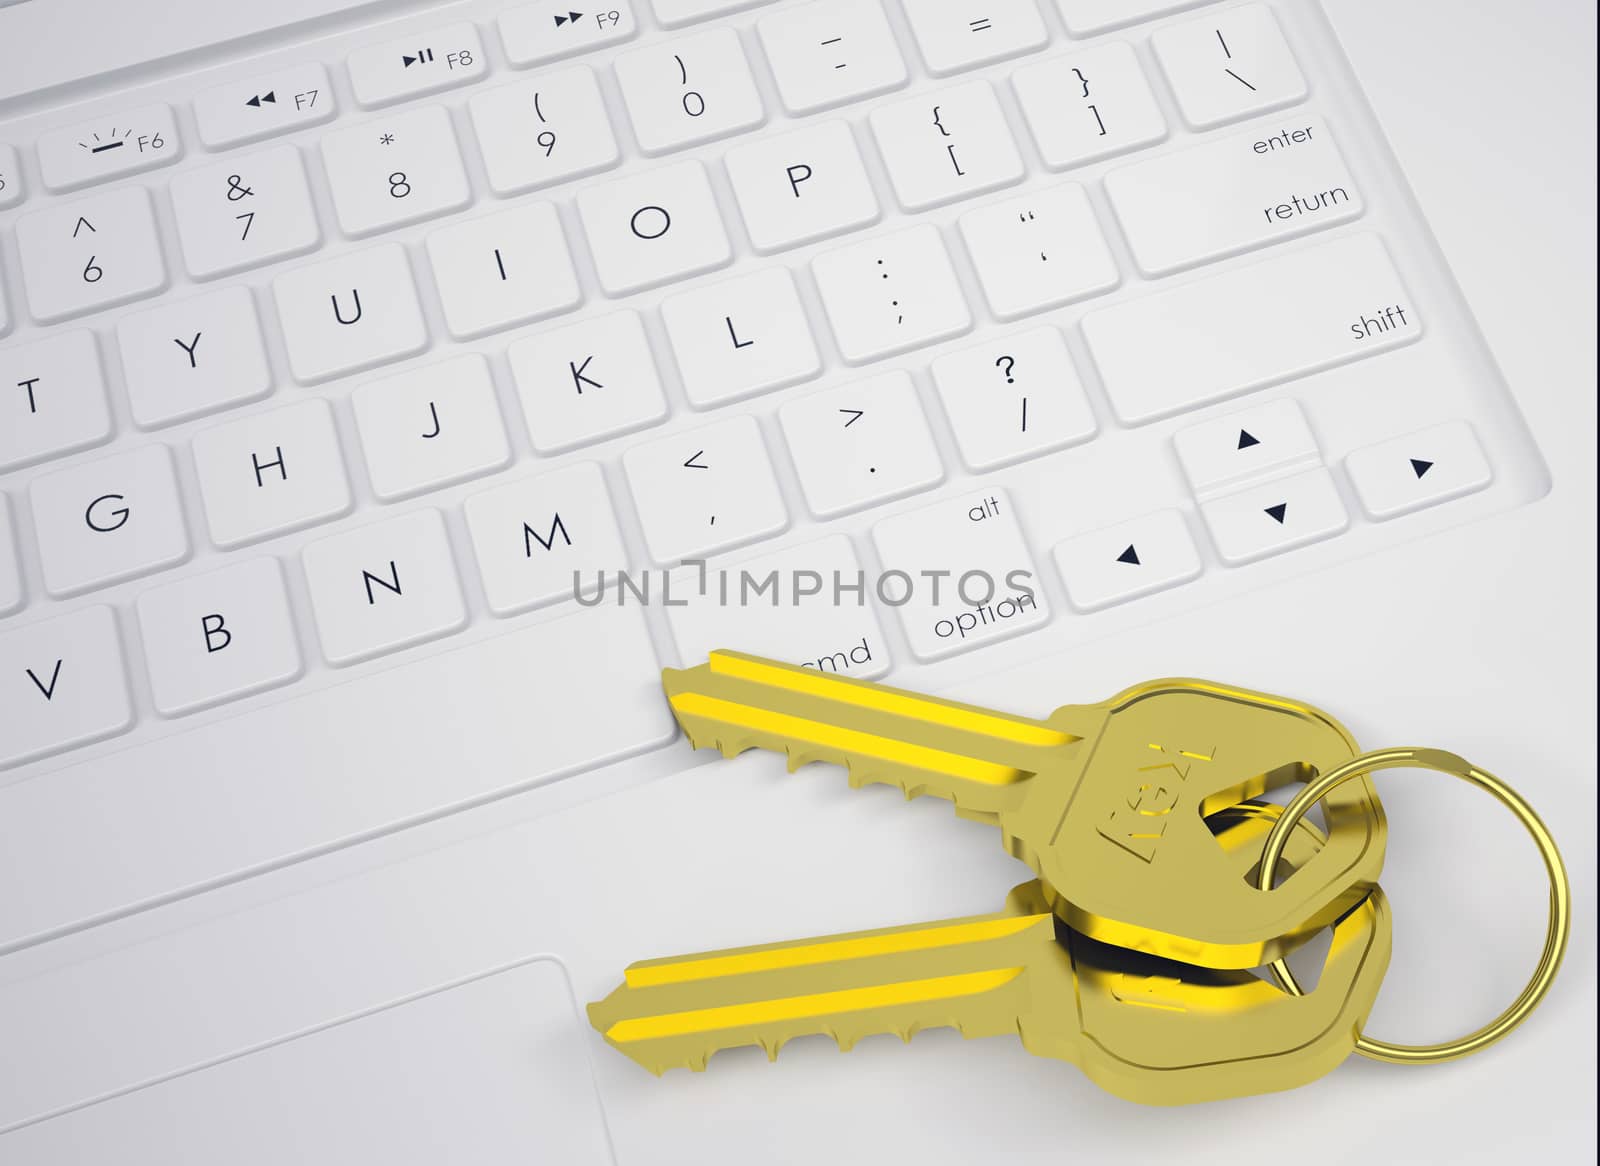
(1106, 802)
(1147, 1029)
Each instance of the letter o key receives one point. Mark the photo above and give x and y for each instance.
(656, 222)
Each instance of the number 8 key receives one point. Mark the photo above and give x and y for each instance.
(1107, 803)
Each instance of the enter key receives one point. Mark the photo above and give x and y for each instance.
(1233, 194)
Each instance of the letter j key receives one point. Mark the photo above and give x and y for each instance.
(1107, 803)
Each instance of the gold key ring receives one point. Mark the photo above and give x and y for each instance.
(1555, 940)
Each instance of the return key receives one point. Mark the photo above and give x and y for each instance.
(1231, 195)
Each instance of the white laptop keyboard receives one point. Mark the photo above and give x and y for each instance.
(373, 342)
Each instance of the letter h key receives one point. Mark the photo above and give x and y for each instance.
(1108, 803)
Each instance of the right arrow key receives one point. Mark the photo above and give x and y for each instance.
(1420, 469)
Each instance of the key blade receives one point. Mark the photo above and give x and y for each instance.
(971, 974)
(978, 759)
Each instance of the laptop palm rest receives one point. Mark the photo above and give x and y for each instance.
(489, 1070)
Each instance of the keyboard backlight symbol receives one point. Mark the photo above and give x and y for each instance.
(115, 143)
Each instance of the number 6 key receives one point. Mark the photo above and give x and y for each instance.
(1150, 1030)
(1107, 803)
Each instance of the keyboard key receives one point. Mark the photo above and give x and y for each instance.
(1013, 397)
(587, 382)
(62, 685)
(245, 212)
(11, 189)
(1231, 195)
(384, 587)
(105, 521)
(801, 186)
(807, 622)
(1275, 516)
(270, 473)
(945, 145)
(10, 563)
(430, 426)
(1412, 472)
(395, 170)
(653, 227)
(891, 293)
(860, 444)
(740, 337)
(82, 256)
(415, 64)
(293, 98)
(673, 13)
(1127, 561)
(952, 38)
(218, 637)
(969, 578)
(194, 356)
(704, 491)
(691, 90)
(1083, 17)
(545, 31)
(1253, 326)
(503, 269)
(348, 313)
(534, 537)
(1231, 450)
(1038, 251)
(1088, 105)
(113, 145)
(1230, 66)
(546, 130)
(52, 398)
(830, 52)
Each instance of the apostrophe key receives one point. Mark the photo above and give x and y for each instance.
(1105, 802)
(1147, 1029)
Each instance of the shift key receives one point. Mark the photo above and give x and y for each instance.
(1250, 327)
(959, 573)
(1233, 194)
